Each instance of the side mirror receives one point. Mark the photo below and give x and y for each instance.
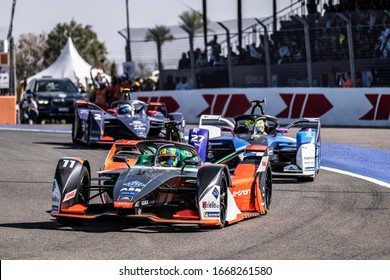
(282, 130)
(190, 162)
(118, 158)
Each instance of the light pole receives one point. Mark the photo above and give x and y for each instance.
(12, 69)
(128, 49)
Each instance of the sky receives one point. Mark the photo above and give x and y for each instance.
(108, 17)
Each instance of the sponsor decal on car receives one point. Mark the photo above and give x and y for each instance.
(209, 204)
(70, 195)
(263, 164)
(211, 214)
(135, 184)
(138, 125)
(215, 193)
(241, 192)
(125, 198)
(134, 189)
(127, 193)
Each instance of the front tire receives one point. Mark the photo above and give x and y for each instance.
(266, 192)
(223, 199)
(84, 182)
(83, 195)
(74, 133)
(88, 133)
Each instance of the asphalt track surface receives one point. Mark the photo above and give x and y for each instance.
(335, 217)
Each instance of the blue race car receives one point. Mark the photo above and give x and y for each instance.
(126, 119)
(294, 150)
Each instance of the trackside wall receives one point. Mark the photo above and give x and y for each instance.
(364, 107)
(7, 110)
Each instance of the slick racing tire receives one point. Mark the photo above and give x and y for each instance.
(223, 199)
(83, 198)
(74, 134)
(88, 133)
(266, 181)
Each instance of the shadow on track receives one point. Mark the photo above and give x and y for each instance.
(105, 224)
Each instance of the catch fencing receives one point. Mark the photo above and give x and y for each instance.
(312, 50)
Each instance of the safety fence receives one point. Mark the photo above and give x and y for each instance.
(315, 50)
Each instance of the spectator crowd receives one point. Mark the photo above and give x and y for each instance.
(328, 35)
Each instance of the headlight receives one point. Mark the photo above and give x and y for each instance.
(42, 101)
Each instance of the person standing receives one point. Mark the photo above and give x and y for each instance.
(184, 84)
(348, 81)
(30, 110)
(169, 83)
(215, 49)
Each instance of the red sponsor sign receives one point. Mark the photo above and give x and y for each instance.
(302, 105)
(380, 107)
(228, 105)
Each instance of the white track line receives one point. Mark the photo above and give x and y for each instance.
(51, 130)
(378, 182)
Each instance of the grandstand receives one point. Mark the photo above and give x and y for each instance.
(317, 48)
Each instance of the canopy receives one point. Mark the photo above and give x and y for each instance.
(70, 65)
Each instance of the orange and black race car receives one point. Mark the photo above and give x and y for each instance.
(164, 182)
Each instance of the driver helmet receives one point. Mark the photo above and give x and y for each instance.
(249, 124)
(169, 156)
(260, 127)
(124, 109)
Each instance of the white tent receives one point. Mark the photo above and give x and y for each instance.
(70, 65)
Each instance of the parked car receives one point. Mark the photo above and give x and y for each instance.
(55, 98)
